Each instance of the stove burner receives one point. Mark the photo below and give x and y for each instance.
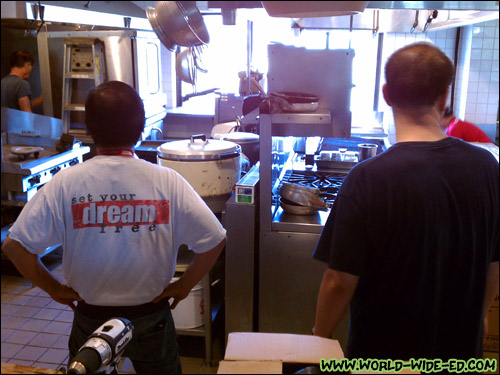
(328, 183)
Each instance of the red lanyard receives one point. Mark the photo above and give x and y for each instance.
(116, 152)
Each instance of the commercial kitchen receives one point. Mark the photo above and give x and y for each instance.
(257, 104)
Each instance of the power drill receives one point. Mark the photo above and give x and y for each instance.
(103, 349)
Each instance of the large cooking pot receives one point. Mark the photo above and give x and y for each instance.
(212, 167)
(178, 23)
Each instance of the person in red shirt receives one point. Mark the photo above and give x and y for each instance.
(457, 128)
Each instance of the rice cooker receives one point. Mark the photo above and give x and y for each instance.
(212, 167)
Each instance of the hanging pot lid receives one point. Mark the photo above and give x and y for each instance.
(198, 148)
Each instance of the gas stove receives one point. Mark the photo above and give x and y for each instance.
(23, 177)
(328, 183)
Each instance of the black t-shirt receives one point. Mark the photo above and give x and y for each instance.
(419, 225)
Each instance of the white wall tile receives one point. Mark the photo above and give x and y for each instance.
(480, 119)
(421, 37)
(491, 119)
(495, 54)
(476, 53)
(410, 38)
(474, 76)
(481, 109)
(441, 43)
(494, 77)
(493, 98)
(484, 76)
(487, 54)
(488, 43)
(473, 86)
(477, 42)
(486, 65)
(491, 109)
(483, 87)
(450, 43)
(470, 116)
(475, 65)
(481, 98)
(489, 32)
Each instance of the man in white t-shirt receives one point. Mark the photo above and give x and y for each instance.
(120, 221)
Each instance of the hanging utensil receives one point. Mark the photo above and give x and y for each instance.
(415, 23)
(182, 67)
(192, 68)
(197, 51)
(430, 18)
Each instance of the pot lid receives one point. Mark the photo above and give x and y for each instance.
(198, 148)
(241, 137)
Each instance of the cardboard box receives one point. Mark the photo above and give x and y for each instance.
(275, 353)
(492, 355)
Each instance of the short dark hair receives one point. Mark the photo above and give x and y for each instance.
(417, 75)
(114, 115)
(19, 58)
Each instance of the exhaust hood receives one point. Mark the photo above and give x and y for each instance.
(383, 16)
(398, 20)
(300, 9)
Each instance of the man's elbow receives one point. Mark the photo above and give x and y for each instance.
(10, 247)
(340, 282)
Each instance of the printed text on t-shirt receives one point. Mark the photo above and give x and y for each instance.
(116, 210)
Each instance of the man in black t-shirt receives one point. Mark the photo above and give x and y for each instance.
(412, 240)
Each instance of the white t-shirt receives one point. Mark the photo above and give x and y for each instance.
(120, 222)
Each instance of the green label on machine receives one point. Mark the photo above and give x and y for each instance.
(244, 199)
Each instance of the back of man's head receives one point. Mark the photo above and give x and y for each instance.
(114, 115)
(19, 58)
(417, 75)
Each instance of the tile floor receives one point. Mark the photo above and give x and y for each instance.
(35, 329)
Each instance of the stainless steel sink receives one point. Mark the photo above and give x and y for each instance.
(149, 145)
(148, 150)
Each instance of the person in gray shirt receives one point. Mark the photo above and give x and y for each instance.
(16, 91)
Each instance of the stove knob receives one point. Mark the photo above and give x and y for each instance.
(53, 171)
(34, 180)
(73, 161)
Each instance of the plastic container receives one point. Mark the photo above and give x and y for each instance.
(189, 312)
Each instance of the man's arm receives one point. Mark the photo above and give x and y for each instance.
(24, 104)
(199, 267)
(36, 102)
(491, 292)
(31, 268)
(335, 294)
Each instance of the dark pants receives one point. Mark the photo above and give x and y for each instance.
(153, 348)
